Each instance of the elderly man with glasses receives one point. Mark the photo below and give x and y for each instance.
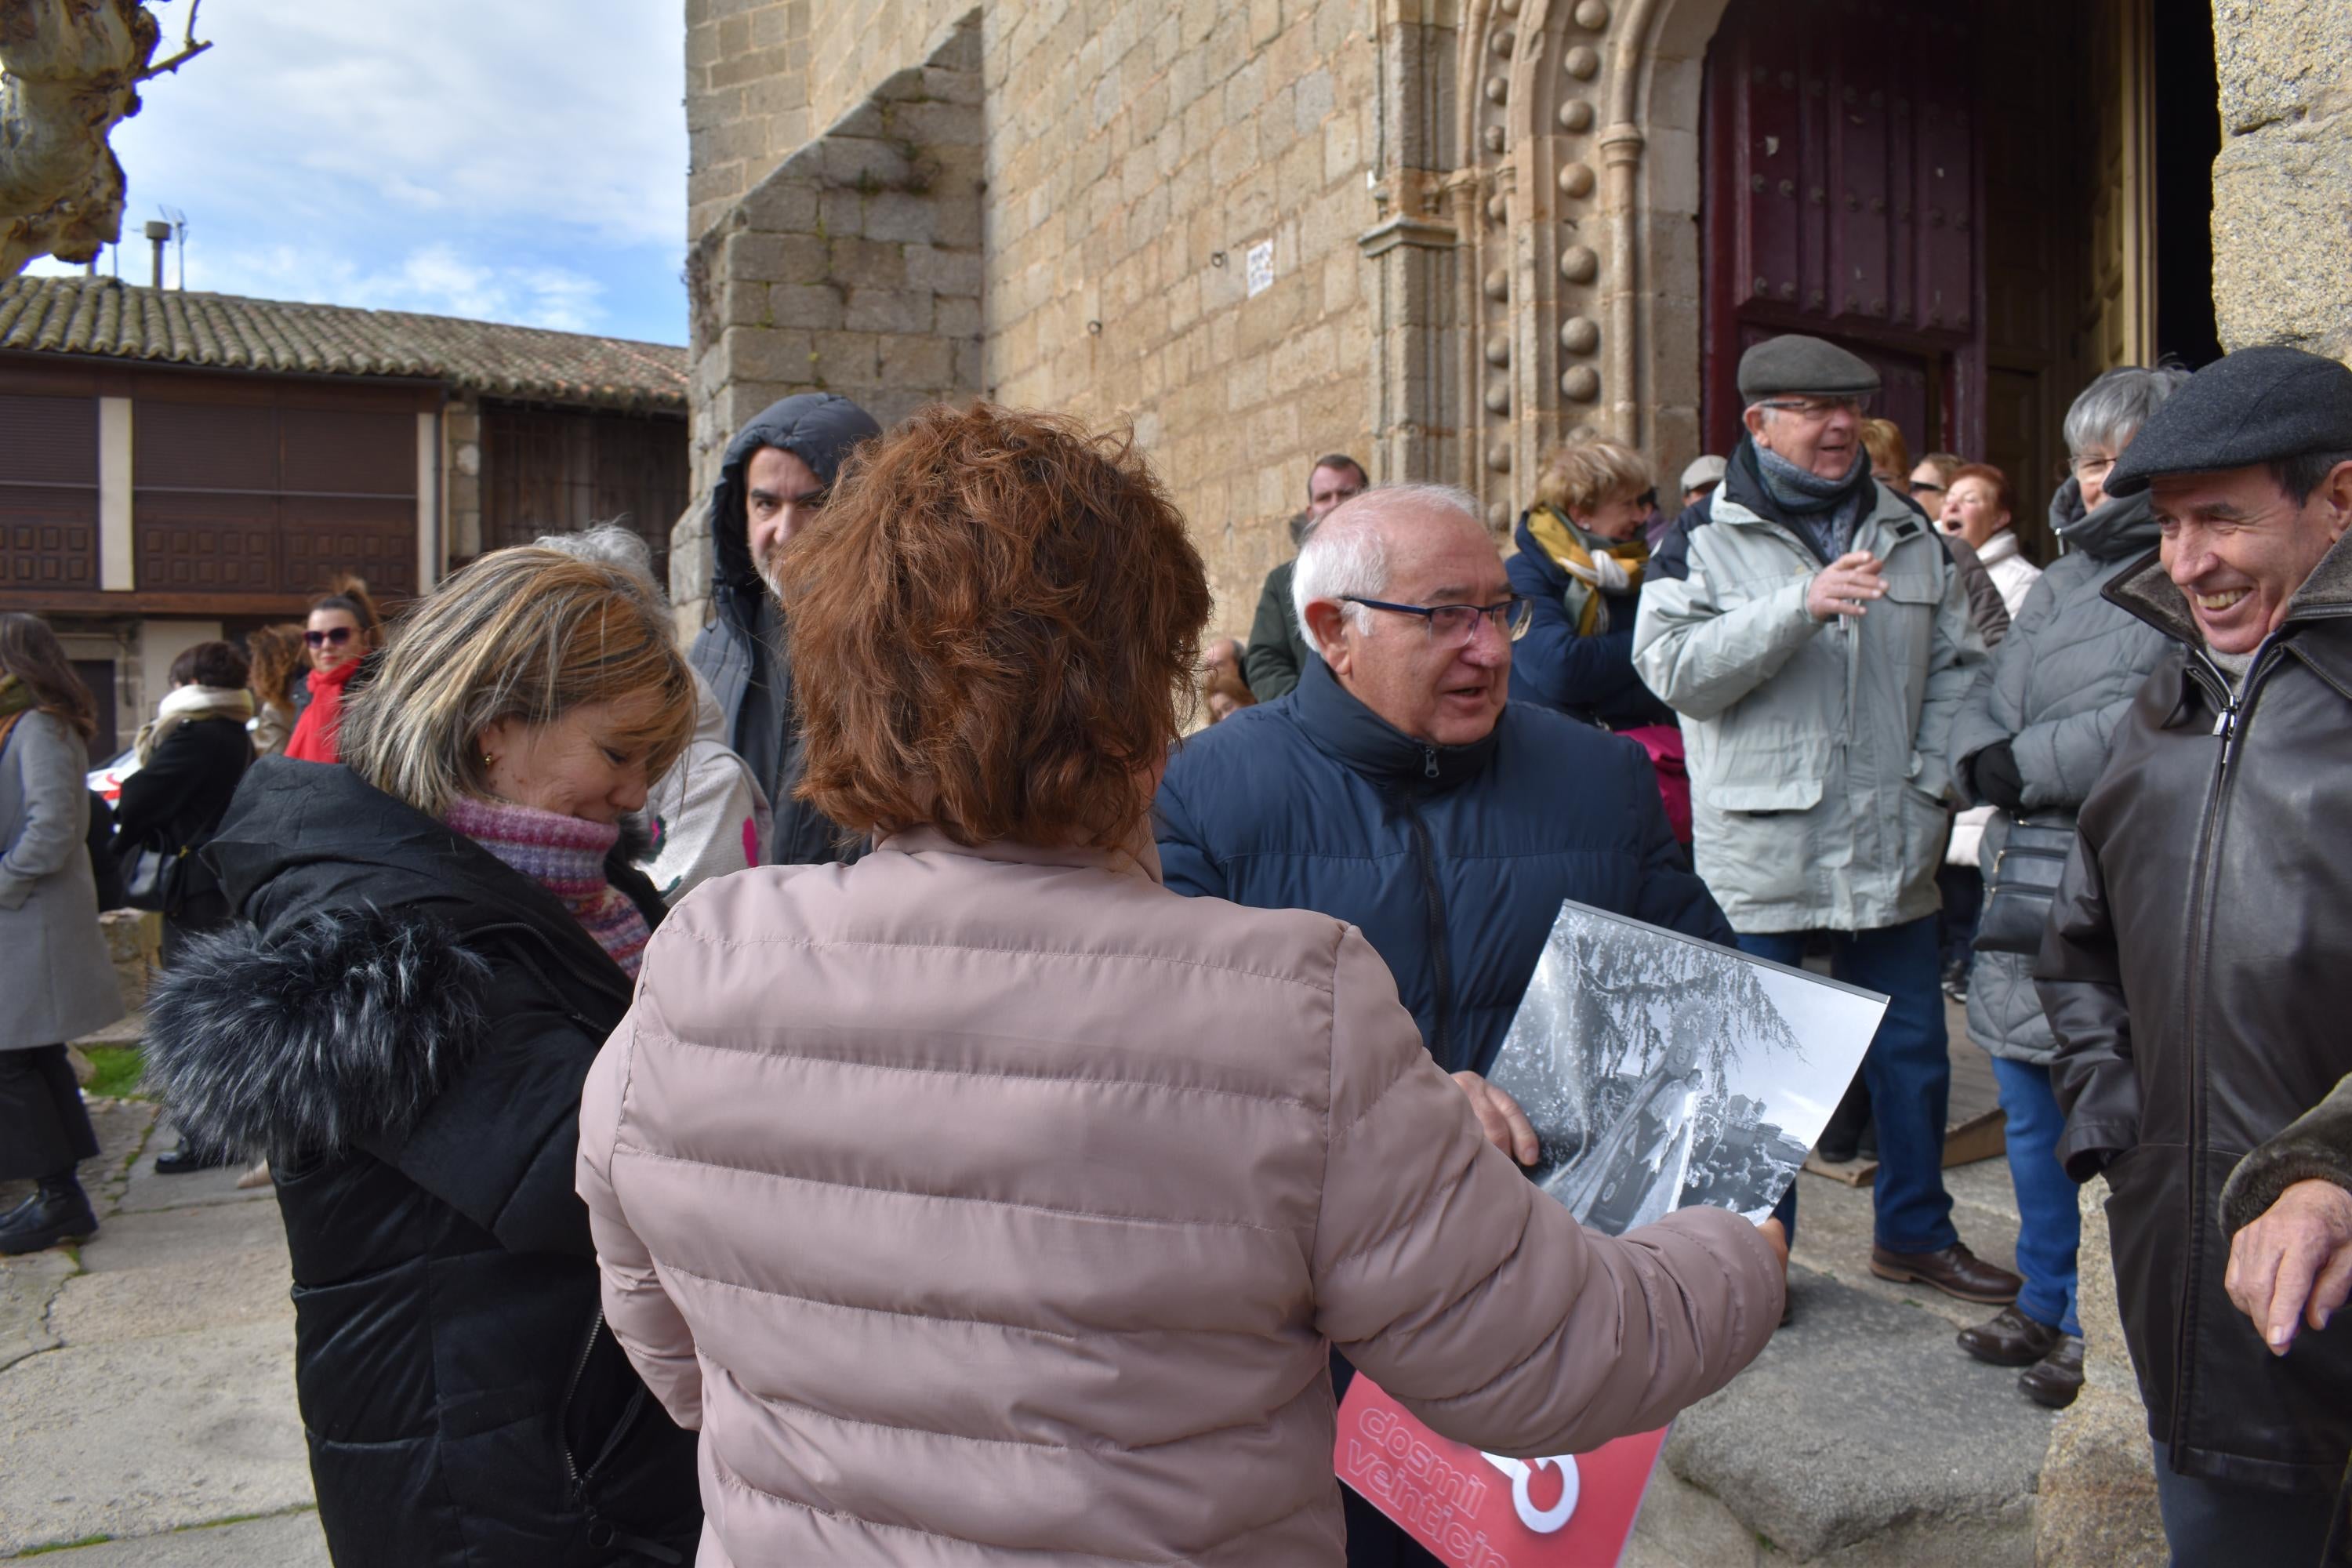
(1398, 789)
(1810, 630)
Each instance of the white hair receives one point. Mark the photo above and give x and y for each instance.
(1346, 556)
(612, 544)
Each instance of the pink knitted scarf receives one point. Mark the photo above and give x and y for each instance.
(565, 855)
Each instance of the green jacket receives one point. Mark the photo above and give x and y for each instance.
(1277, 650)
(1819, 784)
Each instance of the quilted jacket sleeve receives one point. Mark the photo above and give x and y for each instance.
(1953, 660)
(2080, 978)
(643, 1317)
(1462, 1290)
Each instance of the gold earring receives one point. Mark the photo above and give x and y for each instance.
(489, 760)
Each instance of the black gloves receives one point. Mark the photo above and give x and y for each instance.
(1997, 778)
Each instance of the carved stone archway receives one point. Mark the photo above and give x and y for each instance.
(1540, 273)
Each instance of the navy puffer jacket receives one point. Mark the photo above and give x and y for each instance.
(1453, 860)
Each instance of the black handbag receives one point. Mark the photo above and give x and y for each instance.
(150, 878)
(2024, 881)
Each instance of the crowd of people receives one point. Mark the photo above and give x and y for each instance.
(877, 1087)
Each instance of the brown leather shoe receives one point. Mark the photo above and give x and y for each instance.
(1955, 1271)
(2010, 1338)
(2055, 1380)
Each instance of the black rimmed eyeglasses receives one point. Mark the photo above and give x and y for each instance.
(1452, 626)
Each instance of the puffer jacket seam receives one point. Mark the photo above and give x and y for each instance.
(775, 1294)
(620, 1149)
(728, 1476)
(1099, 1453)
(712, 939)
(1088, 1080)
(1386, 1090)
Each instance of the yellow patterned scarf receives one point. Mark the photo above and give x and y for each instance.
(1594, 567)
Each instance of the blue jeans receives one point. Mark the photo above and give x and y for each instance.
(2049, 1225)
(2213, 1524)
(1908, 1071)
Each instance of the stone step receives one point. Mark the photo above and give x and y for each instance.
(1863, 1437)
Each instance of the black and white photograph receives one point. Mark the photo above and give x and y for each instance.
(1662, 1072)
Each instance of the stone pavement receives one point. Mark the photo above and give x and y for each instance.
(147, 1378)
(147, 1394)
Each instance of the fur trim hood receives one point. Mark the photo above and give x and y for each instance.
(342, 1026)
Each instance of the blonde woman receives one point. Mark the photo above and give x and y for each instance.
(1581, 560)
(432, 939)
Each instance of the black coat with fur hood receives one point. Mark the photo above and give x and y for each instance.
(403, 1023)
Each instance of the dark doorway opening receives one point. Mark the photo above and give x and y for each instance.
(1991, 204)
(2187, 140)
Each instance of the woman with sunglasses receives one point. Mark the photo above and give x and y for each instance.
(344, 630)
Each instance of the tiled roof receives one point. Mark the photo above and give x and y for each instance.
(223, 332)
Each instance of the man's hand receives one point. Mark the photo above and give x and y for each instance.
(1506, 1127)
(1776, 1234)
(1846, 587)
(2295, 1262)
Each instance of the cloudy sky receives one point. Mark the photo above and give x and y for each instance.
(507, 160)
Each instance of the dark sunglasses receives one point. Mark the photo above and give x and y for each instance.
(1648, 499)
(338, 636)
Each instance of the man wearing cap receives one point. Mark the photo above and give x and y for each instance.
(2197, 970)
(1808, 627)
(773, 479)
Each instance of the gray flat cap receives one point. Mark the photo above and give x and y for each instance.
(1797, 365)
(1705, 470)
(2257, 406)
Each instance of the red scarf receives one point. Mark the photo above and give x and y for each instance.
(317, 734)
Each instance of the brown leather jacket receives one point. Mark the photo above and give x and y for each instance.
(2198, 976)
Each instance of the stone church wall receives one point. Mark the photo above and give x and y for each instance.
(2282, 183)
(1137, 154)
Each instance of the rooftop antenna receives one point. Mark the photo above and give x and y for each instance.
(158, 233)
(178, 222)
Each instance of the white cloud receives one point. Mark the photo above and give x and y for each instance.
(514, 160)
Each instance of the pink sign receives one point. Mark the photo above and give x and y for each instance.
(1484, 1510)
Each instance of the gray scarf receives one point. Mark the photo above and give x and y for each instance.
(1826, 510)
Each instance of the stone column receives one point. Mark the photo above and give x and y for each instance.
(2097, 1508)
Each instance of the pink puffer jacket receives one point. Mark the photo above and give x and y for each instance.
(998, 1206)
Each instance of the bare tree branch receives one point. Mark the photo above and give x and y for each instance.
(70, 73)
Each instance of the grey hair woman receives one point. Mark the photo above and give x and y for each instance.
(2030, 739)
(432, 939)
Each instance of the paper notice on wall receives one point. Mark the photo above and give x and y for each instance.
(1259, 268)
(1488, 1510)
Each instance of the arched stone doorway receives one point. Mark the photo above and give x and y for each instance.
(1589, 250)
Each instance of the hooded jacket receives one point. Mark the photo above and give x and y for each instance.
(1816, 749)
(2196, 973)
(1453, 860)
(403, 1023)
(741, 652)
(1019, 1236)
(2057, 690)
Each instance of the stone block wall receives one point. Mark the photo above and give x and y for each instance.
(853, 266)
(1141, 150)
(2282, 183)
(1138, 152)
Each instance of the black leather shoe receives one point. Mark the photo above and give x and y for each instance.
(2009, 1339)
(1955, 1271)
(2055, 1380)
(49, 1217)
(182, 1159)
